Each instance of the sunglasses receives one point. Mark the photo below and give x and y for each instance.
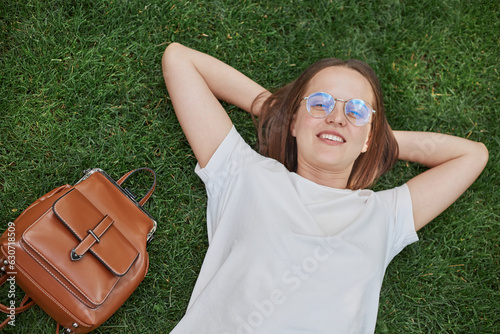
(357, 111)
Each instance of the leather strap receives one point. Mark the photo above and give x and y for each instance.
(91, 238)
(129, 174)
(26, 303)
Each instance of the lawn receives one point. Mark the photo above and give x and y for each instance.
(81, 86)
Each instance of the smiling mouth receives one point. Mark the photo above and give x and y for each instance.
(331, 137)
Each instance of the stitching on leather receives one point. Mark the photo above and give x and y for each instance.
(54, 300)
(92, 303)
(115, 271)
(111, 268)
(100, 235)
(36, 221)
(55, 268)
(52, 265)
(86, 248)
(62, 283)
(59, 216)
(108, 227)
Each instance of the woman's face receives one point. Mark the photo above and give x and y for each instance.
(332, 144)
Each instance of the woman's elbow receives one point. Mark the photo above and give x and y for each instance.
(170, 56)
(477, 157)
(482, 154)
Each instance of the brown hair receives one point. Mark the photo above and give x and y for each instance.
(277, 113)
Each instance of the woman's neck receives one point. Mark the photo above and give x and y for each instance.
(323, 177)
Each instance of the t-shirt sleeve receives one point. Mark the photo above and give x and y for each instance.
(231, 157)
(219, 158)
(403, 227)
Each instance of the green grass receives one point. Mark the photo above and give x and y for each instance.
(81, 86)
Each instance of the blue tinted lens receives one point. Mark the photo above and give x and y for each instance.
(320, 104)
(358, 111)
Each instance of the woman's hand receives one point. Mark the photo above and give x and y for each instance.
(195, 81)
(454, 165)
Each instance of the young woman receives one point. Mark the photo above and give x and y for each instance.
(297, 242)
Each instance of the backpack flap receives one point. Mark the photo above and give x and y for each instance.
(75, 240)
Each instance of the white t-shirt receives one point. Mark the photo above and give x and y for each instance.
(287, 255)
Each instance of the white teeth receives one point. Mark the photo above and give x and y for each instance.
(332, 137)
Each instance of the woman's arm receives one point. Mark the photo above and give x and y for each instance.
(195, 81)
(454, 163)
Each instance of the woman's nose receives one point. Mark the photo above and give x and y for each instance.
(337, 114)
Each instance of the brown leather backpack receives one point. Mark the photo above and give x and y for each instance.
(78, 251)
